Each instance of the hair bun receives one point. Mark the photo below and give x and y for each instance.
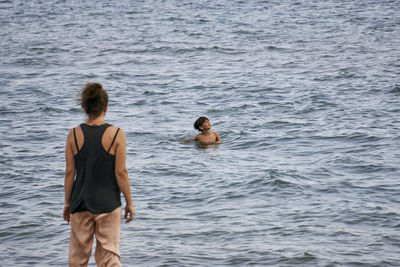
(94, 99)
(93, 90)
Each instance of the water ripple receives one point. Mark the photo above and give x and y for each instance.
(303, 94)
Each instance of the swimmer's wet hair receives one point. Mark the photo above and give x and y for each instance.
(199, 122)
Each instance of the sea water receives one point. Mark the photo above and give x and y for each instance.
(304, 94)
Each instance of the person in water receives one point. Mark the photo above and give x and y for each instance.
(95, 176)
(206, 136)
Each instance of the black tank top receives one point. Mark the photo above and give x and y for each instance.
(95, 186)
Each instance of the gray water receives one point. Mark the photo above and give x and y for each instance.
(304, 94)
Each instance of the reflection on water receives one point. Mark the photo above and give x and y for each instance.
(203, 146)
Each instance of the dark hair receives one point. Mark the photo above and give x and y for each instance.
(199, 122)
(93, 99)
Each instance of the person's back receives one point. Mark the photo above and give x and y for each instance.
(95, 167)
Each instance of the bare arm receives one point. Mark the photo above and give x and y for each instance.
(187, 141)
(194, 139)
(69, 175)
(122, 175)
(217, 138)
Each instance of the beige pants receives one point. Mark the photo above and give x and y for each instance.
(105, 227)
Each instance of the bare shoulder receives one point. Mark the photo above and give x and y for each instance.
(70, 136)
(121, 137)
(197, 137)
(76, 131)
(70, 133)
(75, 138)
(121, 133)
(111, 133)
(217, 138)
(112, 130)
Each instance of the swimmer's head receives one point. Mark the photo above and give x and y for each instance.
(199, 123)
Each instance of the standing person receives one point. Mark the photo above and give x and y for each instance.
(95, 176)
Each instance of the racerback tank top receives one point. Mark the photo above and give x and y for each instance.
(95, 186)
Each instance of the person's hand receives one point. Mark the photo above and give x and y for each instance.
(67, 214)
(129, 213)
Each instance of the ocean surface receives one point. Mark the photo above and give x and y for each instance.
(304, 94)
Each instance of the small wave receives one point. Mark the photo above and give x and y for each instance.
(151, 93)
(173, 19)
(274, 181)
(52, 110)
(359, 137)
(185, 50)
(395, 89)
(303, 258)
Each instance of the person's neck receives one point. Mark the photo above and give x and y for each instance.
(205, 132)
(96, 121)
